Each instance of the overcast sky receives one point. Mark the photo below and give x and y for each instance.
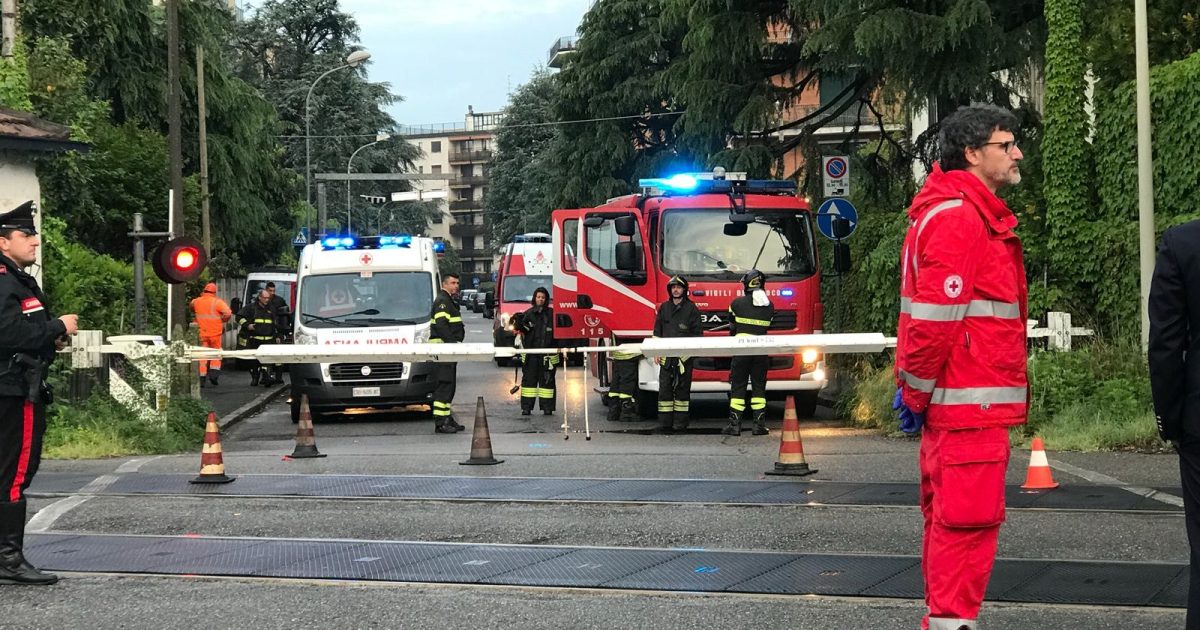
(443, 56)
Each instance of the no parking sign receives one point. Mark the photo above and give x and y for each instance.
(835, 172)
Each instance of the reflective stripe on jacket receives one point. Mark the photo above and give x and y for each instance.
(960, 351)
(211, 314)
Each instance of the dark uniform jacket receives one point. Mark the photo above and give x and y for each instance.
(264, 320)
(749, 319)
(537, 327)
(1174, 349)
(26, 327)
(677, 321)
(447, 326)
(282, 318)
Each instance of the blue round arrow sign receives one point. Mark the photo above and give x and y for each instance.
(832, 209)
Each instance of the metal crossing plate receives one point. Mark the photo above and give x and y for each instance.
(1120, 583)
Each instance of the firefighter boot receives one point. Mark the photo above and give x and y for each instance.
(452, 421)
(735, 423)
(760, 422)
(629, 411)
(665, 425)
(681, 420)
(614, 409)
(14, 568)
(255, 374)
(214, 376)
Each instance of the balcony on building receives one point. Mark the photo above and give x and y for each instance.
(463, 205)
(466, 181)
(473, 253)
(470, 156)
(563, 47)
(467, 229)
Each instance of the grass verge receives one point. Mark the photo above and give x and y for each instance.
(100, 427)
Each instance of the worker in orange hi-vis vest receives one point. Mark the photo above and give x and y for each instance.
(211, 314)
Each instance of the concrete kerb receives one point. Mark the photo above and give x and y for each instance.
(252, 407)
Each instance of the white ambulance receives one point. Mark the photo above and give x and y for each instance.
(364, 291)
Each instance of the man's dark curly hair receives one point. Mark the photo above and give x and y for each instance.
(969, 128)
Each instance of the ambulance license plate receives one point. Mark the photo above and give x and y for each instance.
(365, 391)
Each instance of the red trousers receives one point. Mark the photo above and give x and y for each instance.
(962, 499)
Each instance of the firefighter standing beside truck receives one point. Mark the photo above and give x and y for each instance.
(29, 336)
(960, 355)
(536, 327)
(447, 327)
(211, 314)
(257, 321)
(676, 317)
(750, 314)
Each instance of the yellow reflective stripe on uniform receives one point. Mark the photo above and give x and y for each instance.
(757, 403)
(529, 392)
(751, 322)
(978, 396)
(681, 405)
(666, 405)
(444, 315)
(436, 341)
(622, 356)
(737, 404)
(545, 393)
(617, 395)
(454, 320)
(920, 384)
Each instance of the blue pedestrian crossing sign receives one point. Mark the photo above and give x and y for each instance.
(301, 238)
(833, 209)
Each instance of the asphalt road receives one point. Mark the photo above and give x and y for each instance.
(404, 444)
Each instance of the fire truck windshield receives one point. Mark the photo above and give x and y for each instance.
(779, 244)
(520, 288)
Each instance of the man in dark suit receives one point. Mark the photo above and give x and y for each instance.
(1174, 355)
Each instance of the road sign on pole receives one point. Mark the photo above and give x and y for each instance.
(836, 209)
(835, 172)
(301, 238)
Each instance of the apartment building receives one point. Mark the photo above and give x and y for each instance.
(462, 152)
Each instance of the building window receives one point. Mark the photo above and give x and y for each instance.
(438, 219)
(436, 169)
(435, 146)
(468, 242)
(420, 169)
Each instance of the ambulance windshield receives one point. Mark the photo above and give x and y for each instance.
(696, 245)
(388, 298)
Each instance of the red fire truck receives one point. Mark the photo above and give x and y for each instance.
(612, 263)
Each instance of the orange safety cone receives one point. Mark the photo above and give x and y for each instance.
(212, 464)
(1038, 477)
(306, 440)
(791, 449)
(481, 440)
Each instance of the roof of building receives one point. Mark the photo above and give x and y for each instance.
(23, 131)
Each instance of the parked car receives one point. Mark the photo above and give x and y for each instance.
(465, 297)
(477, 302)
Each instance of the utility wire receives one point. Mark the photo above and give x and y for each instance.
(498, 127)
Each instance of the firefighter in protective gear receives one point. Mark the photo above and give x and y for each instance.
(750, 314)
(960, 354)
(257, 327)
(536, 327)
(447, 327)
(676, 317)
(622, 390)
(211, 313)
(29, 336)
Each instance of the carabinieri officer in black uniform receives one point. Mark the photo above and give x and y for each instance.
(752, 315)
(447, 327)
(29, 337)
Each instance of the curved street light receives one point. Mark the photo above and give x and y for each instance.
(353, 60)
(380, 137)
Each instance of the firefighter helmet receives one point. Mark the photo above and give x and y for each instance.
(677, 280)
(754, 280)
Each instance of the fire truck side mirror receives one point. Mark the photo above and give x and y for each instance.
(627, 256)
(625, 226)
(841, 257)
(583, 301)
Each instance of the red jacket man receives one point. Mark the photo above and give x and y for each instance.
(960, 355)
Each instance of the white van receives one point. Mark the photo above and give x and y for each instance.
(364, 291)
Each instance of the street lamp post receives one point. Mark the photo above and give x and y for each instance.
(353, 60)
(380, 137)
